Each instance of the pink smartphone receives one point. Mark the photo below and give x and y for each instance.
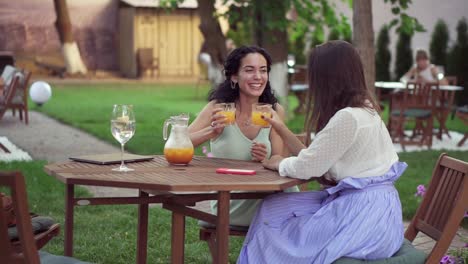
(235, 171)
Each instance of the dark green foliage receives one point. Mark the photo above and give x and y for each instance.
(383, 56)
(439, 43)
(458, 62)
(404, 54)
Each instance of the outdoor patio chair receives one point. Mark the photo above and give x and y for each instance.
(443, 206)
(444, 106)
(147, 61)
(415, 103)
(7, 96)
(20, 99)
(28, 242)
(438, 216)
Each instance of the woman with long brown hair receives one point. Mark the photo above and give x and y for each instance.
(361, 216)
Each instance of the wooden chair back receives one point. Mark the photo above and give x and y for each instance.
(443, 206)
(14, 181)
(451, 80)
(8, 94)
(300, 75)
(419, 95)
(146, 61)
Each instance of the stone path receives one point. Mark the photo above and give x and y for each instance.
(47, 139)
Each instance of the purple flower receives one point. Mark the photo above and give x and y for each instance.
(466, 214)
(420, 190)
(447, 259)
(205, 151)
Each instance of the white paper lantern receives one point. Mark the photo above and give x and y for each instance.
(40, 92)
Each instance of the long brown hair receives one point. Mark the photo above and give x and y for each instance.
(336, 81)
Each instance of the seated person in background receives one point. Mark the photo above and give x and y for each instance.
(423, 70)
(246, 70)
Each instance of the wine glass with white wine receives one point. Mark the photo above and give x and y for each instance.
(123, 129)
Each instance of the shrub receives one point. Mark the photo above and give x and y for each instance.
(383, 56)
(404, 55)
(439, 43)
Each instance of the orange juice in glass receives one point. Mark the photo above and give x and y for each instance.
(259, 109)
(229, 111)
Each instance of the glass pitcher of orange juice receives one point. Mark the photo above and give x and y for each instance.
(179, 148)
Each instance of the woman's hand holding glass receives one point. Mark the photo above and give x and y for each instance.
(273, 119)
(224, 114)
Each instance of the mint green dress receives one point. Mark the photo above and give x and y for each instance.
(233, 144)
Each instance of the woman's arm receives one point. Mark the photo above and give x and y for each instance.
(278, 146)
(201, 129)
(407, 76)
(293, 144)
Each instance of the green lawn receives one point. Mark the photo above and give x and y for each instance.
(88, 107)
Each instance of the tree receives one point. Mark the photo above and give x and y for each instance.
(363, 38)
(458, 63)
(210, 28)
(439, 43)
(383, 55)
(71, 53)
(404, 55)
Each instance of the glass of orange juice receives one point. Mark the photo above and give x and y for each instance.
(259, 109)
(229, 111)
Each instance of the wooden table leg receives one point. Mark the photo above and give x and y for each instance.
(222, 228)
(142, 237)
(178, 237)
(69, 208)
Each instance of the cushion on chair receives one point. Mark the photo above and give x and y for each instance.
(231, 227)
(417, 113)
(407, 254)
(47, 258)
(39, 224)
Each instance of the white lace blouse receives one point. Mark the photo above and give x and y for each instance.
(354, 143)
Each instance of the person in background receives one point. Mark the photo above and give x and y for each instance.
(361, 216)
(246, 70)
(423, 70)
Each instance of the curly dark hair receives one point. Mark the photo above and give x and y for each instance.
(224, 93)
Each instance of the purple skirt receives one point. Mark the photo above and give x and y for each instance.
(359, 218)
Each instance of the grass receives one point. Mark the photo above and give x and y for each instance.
(88, 107)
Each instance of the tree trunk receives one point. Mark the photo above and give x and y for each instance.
(275, 41)
(215, 41)
(71, 53)
(363, 38)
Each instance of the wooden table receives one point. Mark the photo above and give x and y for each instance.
(170, 185)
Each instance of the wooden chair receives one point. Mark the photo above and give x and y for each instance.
(443, 206)
(28, 243)
(20, 99)
(415, 103)
(7, 96)
(147, 61)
